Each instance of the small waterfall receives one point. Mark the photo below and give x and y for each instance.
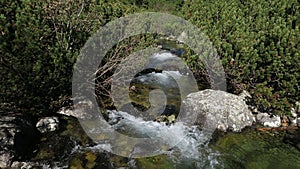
(187, 145)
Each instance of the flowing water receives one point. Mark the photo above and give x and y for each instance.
(185, 146)
(190, 143)
(191, 147)
(176, 145)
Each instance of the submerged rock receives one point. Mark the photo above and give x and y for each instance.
(252, 149)
(167, 119)
(55, 149)
(212, 109)
(23, 146)
(47, 124)
(160, 161)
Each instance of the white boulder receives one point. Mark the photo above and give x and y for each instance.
(211, 109)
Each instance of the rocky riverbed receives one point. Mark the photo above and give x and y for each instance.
(59, 141)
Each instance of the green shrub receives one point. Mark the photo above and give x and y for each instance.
(263, 39)
(40, 41)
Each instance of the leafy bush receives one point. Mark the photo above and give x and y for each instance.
(258, 42)
(40, 41)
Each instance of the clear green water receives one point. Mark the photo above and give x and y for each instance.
(255, 150)
(249, 149)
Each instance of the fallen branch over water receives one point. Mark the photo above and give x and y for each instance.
(277, 128)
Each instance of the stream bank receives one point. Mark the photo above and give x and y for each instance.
(70, 147)
(206, 140)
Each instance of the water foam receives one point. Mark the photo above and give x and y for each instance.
(187, 144)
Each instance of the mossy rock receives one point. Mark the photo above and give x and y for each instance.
(72, 128)
(167, 119)
(59, 144)
(89, 160)
(54, 147)
(160, 161)
(95, 160)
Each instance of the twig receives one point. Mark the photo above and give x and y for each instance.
(277, 128)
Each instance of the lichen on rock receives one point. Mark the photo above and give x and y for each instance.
(212, 109)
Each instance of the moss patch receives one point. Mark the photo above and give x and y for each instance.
(160, 161)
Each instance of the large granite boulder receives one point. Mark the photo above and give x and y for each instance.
(213, 109)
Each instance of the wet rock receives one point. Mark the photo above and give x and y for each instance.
(55, 149)
(160, 161)
(268, 121)
(23, 146)
(47, 124)
(81, 110)
(17, 138)
(7, 130)
(98, 159)
(167, 119)
(67, 111)
(212, 109)
(25, 165)
(6, 158)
